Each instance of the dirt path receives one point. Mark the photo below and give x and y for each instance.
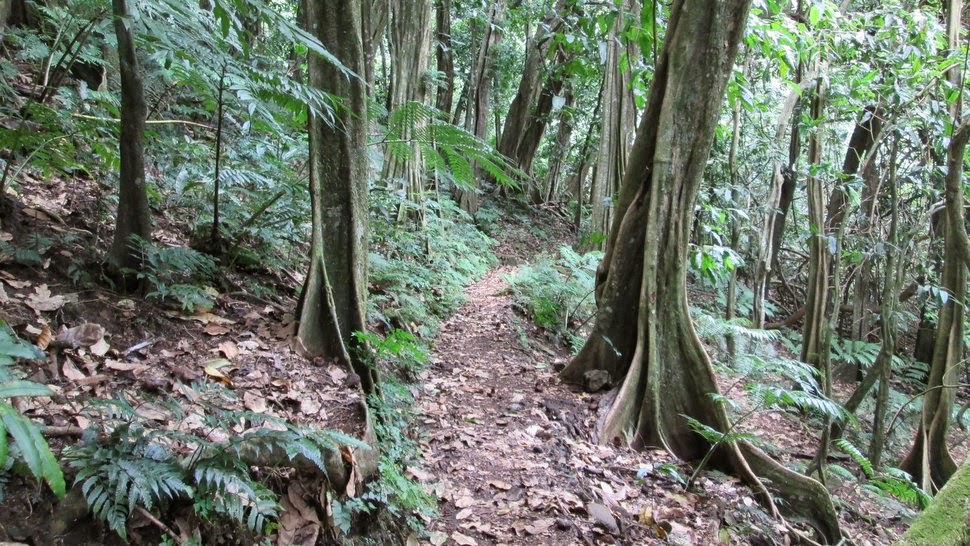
(506, 447)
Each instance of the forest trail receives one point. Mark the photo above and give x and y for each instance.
(506, 444)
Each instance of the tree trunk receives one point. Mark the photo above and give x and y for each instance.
(815, 348)
(410, 48)
(929, 460)
(560, 147)
(617, 128)
(332, 304)
(644, 336)
(946, 522)
(134, 219)
(479, 88)
(527, 94)
(781, 192)
(444, 56)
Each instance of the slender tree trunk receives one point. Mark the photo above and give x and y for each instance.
(134, 217)
(617, 127)
(332, 303)
(814, 348)
(890, 302)
(644, 337)
(560, 147)
(444, 56)
(410, 48)
(478, 91)
(781, 191)
(929, 460)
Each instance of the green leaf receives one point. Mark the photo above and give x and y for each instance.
(23, 388)
(33, 448)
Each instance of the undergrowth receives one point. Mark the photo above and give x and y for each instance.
(394, 502)
(130, 463)
(418, 276)
(557, 293)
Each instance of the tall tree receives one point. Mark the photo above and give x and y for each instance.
(617, 125)
(524, 108)
(444, 56)
(134, 219)
(410, 49)
(331, 306)
(644, 336)
(478, 93)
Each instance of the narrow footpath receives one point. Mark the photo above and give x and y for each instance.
(507, 448)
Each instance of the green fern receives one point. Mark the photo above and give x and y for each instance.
(891, 481)
(131, 464)
(30, 445)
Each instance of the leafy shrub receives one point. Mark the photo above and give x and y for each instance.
(176, 273)
(132, 463)
(892, 481)
(417, 277)
(29, 445)
(558, 294)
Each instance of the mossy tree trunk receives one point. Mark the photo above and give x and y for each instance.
(134, 219)
(444, 56)
(332, 304)
(644, 336)
(946, 522)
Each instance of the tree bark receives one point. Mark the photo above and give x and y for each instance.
(444, 56)
(946, 522)
(644, 336)
(410, 49)
(617, 129)
(528, 92)
(332, 304)
(133, 219)
(479, 88)
(929, 461)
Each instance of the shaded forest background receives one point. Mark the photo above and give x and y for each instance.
(343, 169)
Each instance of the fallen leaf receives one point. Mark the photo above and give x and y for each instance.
(213, 366)
(44, 338)
(464, 514)
(254, 402)
(539, 526)
(337, 374)
(100, 348)
(125, 366)
(500, 485)
(463, 540)
(465, 502)
(3, 295)
(214, 329)
(82, 335)
(229, 349)
(70, 370)
(438, 538)
(42, 300)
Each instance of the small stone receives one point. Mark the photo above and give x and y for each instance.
(515, 408)
(563, 524)
(596, 380)
(602, 515)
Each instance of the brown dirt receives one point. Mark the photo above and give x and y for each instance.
(508, 451)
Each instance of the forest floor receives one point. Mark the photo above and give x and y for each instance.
(507, 449)
(510, 456)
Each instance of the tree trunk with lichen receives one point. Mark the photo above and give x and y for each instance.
(332, 304)
(644, 337)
